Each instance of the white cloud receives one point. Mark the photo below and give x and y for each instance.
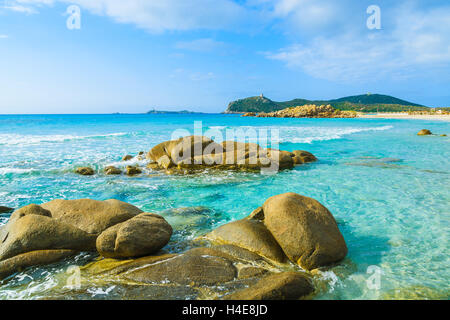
(160, 15)
(416, 41)
(200, 45)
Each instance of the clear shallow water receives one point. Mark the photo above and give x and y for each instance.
(387, 188)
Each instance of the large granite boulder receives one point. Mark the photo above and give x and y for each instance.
(251, 235)
(306, 231)
(278, 286)
(37, 232)
(89, 215)
(144, 234)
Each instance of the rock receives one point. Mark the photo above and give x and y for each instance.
(251, 272)
(37, 232)
(306, 231)
(85, 171)
(193, 153)
(257, 214)
(133, 170)
(424, 132)
(127, 157)
(29, 259)
(144, 234)
(301, 157)
(309, 111)
(443, 135)
(190, 268)
(6, 209)
(111, 170)
(249, 114)
(251, 235)
(89, 215)
(279, 286)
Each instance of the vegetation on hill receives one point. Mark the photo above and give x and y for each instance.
(362, 103)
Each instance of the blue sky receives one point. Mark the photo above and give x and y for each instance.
(136, 55)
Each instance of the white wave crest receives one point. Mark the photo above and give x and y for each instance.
(19, 139)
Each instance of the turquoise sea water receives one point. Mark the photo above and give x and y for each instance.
(387, 188)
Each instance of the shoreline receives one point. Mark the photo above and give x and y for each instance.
(440, 117)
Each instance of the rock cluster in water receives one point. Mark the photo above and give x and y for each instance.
(252, 258)
(197, 153)
(306, 111)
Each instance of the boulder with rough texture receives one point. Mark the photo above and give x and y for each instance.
(29, 259)
(85, 171)
(306, 231)
(133, 170)
(190, 268)
(89, 215)
(251, 235)
(144, 234)
(301, 157)
(111, 170)
(424, 132)
(278, 286)
(127, 157)
(37, 232)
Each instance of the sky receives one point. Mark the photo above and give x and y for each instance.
(138, 55)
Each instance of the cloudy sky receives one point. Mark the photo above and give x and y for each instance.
(136, 55)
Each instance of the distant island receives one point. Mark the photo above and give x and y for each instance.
(171, 112)
(363, 103)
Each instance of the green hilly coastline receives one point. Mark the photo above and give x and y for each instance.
(361, 103)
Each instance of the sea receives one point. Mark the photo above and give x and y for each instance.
(388, 189)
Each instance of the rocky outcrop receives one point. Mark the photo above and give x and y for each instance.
(279, 286)
(193, 153)
(309, 111)
(306, 231)
(133, 170)
(249, 114)
(142, 235)
(85, 171)
(424, 132)
(287, 225)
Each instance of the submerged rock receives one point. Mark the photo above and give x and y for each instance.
(279, 286)
(144, 234)
(6, 209)
(190, 268)
(85, 171)
(424, 132)
(33, 258)
(306, 231)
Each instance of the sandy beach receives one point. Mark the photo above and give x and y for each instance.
(440, 117)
